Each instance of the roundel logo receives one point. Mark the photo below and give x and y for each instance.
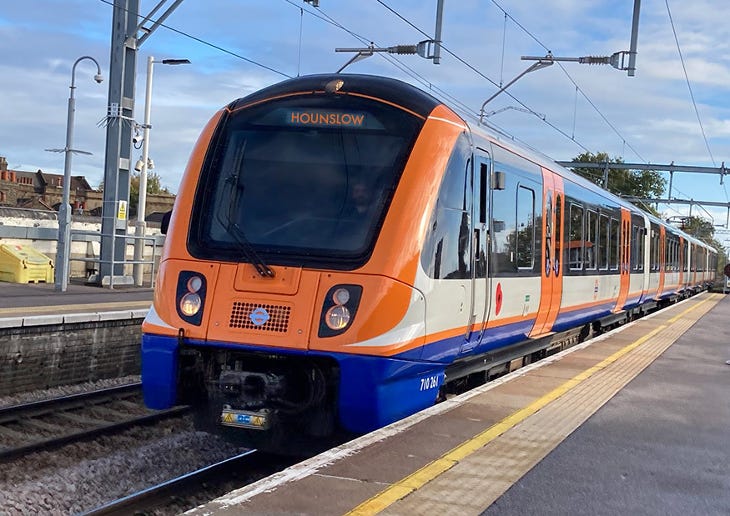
(259, 316)
(498, 299)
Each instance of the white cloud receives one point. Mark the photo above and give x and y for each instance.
(651, 112)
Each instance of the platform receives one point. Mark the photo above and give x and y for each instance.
(35, 300)
(633, 422)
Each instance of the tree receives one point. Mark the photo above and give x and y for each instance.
(699, 228)
(704, 230)
(154, 186)
(631, 183)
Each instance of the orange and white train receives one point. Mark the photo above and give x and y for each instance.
(344, 248)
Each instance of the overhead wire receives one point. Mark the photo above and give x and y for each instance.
(484, 76)
(565, 71)
(691, 93)
(456, 103)
(392, 59)
(207, 43)
(430, 85)
(689, 85)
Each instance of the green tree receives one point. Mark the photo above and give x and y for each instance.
(632, 183)
(699, 228)
(154, 186)
(704, 230)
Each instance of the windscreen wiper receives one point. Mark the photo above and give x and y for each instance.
(233, 228)
(249, 252)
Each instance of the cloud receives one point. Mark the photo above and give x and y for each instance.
(650, 115)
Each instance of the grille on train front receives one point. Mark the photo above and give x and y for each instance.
(260, 317)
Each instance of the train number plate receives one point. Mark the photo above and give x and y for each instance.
(245, 419)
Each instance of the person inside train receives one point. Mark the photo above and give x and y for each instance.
(360, 203)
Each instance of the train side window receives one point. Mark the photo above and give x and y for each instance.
(575, 237)
(613, 247)
(668, 254)
(525, 228)
(634, 243)
(558, 233)
(591, 239)
(637, 253)
(675, 255)
(641, 248)
(447, 249)
(603, 228)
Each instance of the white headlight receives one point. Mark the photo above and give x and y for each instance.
(190, 304)
(337, 317)
(341, 296)
(194, 283)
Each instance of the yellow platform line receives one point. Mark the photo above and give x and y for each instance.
(86, 307)
(418, 479)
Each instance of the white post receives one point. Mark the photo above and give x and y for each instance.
(142, 202)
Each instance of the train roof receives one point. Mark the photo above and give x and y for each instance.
(423, 103)
(547, 162)
(386, 88)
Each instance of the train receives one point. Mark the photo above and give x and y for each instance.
(345, 250)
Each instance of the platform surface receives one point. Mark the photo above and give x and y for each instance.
(633, 422)
(20, 300)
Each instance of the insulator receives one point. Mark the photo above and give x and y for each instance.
(403, 49)
(594, 60)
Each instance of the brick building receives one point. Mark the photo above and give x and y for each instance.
(42, 191)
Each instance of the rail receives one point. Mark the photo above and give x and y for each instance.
(142, 501)
(47, 424)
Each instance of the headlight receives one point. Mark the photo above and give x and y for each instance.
(341, 296)
(337, 317)
(194, 283)
(339, 309)
(190, 304)
(190, 296)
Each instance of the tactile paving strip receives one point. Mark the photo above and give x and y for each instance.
(472, 476)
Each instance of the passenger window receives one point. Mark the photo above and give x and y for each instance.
(603, 228)
(525, 228)
(613, 248)
(558, 234)
(591, 239)
(575, 237)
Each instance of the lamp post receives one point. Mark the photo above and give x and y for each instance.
(141, 225)
(64, 213)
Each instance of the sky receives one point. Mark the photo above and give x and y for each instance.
(673, 110)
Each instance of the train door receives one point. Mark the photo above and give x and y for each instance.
(682, 244)
(661, 260)
(481, 172)
(551, 283)
(624, 254)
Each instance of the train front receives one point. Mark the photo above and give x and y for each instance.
(285, 295)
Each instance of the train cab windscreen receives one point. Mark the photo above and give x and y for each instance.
(301, 181)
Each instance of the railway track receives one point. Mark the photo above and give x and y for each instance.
(187, 491)
(47, 424)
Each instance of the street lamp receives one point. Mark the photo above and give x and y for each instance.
(63, 246)
(142, 201)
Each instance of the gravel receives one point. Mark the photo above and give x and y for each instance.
(64, 390)
(82, 476)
